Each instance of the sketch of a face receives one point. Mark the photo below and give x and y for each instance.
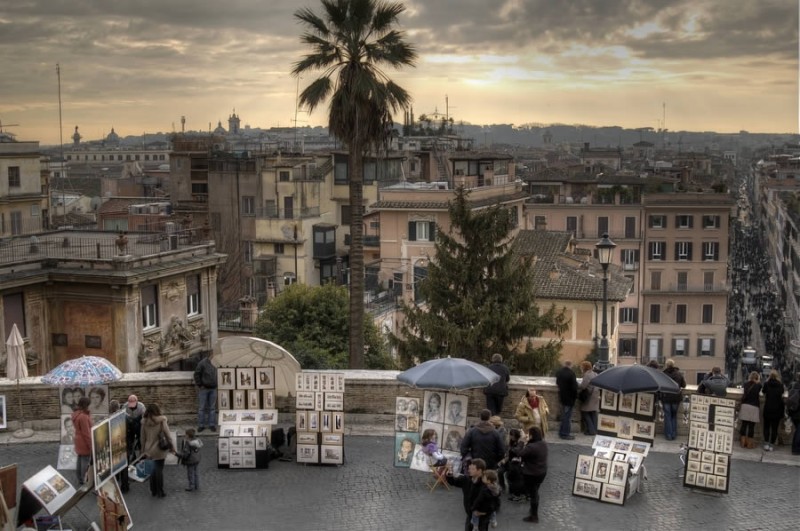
(434, 404)
(455, 411)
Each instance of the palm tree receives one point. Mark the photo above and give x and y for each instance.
(349, 43)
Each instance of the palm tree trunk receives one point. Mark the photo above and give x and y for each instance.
(356, 171)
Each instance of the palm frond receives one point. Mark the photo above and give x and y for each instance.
(317, 92)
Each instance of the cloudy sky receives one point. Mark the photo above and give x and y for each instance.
(139, 65)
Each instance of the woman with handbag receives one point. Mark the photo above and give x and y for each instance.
(749, 412)
(156, 443)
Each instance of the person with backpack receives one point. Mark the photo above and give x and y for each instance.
(190, 457)
(715, 384)
(205, 378)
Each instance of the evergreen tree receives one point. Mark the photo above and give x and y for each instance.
(477, 298)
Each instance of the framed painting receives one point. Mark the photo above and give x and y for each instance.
(248, 462)
(584, 467)
(640, 448)
(264, 430)
(608, 401)
(248, 416)
(719, 470)
(298, 382)
(602, 441)
(620, 457)
(694, 455)
(340, 382)
(625, 428)
(254, 399)
(325, 421)
(721, 483)
(248, 442)
(635, 460)
(67, 428)
(413, 406)
(721, 460)
(334, 401)
(98, 397)
(101, 453)
(622, 446)
(601, 470)
(223, 444)
(245, 378)
(434, 406)
(700, 481)
(228, 430)
(308, 382)
(331, 455)
(607, 424)
(436, 427)
(267, 416)
(613, 494)
(265, 377)
(456, 410)
(224, 458)
(690, 479)
(586, 488)
(67, 458)
(261, 443)
(694, 466)
(619, 473)
(338, 422)
(306, 438)
(50, 488)
(239, 399)
(307, 453)
(247, 430)
(645, 403)
(454, 460)
(420, 461)
(305, 400)
(602, 453)
(301, 421)
(268, 399)
(315, 382)
(338, 438)
(627, 403)
(237, 462)
(644, 429)
(313, 421)
(226, 378)
(319, 401)
(223, 399)
(707, 457)
(452, 437)
(226, 417)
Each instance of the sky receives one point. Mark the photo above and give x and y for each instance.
(140, 65)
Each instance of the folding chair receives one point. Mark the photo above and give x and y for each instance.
(438, 475)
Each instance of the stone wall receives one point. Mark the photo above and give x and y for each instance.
(369, 398)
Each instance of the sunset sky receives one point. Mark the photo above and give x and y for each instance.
(139, 65)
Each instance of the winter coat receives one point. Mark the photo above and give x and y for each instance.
(470, 489)
(674, 373)
(534, 459)
(567, 386)
(488, 500)
(500, 387)
(483, 442)
(149, 437)
(750, 394)
(525, 416)
(593, 404)
(773, 399)
(716, 384)
(82, 422)
(190, 452)
(205, 374)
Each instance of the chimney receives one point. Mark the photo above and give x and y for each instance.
(555, 274)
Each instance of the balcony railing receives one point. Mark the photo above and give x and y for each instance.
(287, 213)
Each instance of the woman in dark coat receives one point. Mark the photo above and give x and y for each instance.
(749, 412)
(534, 470)
(773, 408)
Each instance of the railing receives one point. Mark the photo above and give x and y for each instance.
(291, 213)
(372, 241)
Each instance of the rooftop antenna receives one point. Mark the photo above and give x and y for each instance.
(61, 146)
(296, 110)
(183, 124)
(6, 125)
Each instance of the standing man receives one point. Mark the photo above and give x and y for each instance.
(497, 392)
(567, 394)
(82, 421)
(482, 441)
(205, 378)
(672, 402)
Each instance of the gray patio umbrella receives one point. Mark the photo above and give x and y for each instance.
(448, 374)
(16, 368)
(240, 351)
(635, 379)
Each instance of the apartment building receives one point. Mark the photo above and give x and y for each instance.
(24, 188)
(672, 246)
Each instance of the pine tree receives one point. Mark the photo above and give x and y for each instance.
(477, 298)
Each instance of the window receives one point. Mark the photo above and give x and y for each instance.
(680, 314)
(539, 223)
(149, 306)
(247, 251)
(657, 251)
(278, 248)
(14, 180)
(657, 221)
(193, 295)
(346, 213)
(283, 176)
(655, 313)
(708, 313)
(421, 231)
(679, 347)
(627, 347)
(628, 315)
(16, 222)
(514, 213)
(711, 251)
(629, 259)
(711, 222)
(705, 346)
(14, 312)
(572, 224)
(602, 226)
(684, 221)
(683, 280)
(35, 211)
(683, 251)
(248, 205)
(655, 280)
(630, 227)
(708, 280)
(654, 348)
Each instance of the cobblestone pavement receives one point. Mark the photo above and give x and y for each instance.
(368, 494)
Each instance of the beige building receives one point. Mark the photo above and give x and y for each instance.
(24, 188)
(674, 248)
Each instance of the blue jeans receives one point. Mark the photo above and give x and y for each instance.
(671, 420)
(590, 419)
(83, 466)
(566, 420)
(192, 476)
(206, 414)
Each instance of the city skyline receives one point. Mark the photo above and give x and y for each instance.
(713, 65)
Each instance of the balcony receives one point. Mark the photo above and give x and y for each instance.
(288, 213)
(372, 241)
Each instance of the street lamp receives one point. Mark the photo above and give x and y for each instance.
(605, 250)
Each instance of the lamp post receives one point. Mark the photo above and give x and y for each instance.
(605, 250)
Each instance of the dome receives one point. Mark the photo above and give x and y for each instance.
(112, 138)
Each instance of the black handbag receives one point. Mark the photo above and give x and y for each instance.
(163, 441)
(584, 394)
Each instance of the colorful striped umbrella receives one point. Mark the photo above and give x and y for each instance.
(83, 371)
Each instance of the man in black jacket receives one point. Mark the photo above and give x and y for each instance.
(471, 485)
(205, 378)
(567, 394)
(498, 391)
(482, 441)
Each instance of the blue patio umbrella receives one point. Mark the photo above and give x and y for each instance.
(448, 374)
(83, 371)
(635, 379)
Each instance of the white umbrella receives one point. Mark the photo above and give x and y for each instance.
(238, 351)
(16, 368)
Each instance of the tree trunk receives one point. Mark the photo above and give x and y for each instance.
(356, 257)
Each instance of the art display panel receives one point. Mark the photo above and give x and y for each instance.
(319, 417)
(50, 488)
(587, 488)
(711, 436)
